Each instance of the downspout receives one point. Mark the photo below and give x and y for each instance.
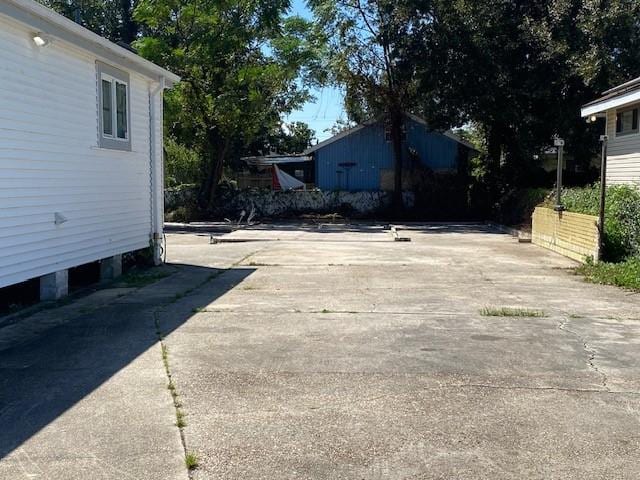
(156, 173)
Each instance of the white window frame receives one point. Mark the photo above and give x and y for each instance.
(113, 76)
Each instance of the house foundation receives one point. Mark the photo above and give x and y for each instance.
(54, 286)
(110, 268)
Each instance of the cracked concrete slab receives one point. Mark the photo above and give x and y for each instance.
(342, 356)
(332, 353)
(83, 391)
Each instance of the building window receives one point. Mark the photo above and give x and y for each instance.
(113, 102)
(627, 121)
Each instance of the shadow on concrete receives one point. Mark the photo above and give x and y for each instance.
(43, 378)
(430, 229)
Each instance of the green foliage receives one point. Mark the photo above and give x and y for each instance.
(182, 165)
(111, 19)
(520, 70)
(625, 274)
(516, 206)
(292, 138)
(140, 278)
(622, 216)
(243, 65)
(191, 461)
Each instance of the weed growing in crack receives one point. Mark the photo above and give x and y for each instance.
(191, 460)
(180, 418)
(510, 312)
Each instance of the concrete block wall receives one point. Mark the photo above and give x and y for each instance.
(573, 235)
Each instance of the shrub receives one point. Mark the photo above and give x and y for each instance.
(182, 165)
(516, 206)
(622, 216)
(625, 274)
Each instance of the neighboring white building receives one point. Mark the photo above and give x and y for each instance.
(620, 106)
(80, 148)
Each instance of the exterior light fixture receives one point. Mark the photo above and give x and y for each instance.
(41, 40)
(593, 118)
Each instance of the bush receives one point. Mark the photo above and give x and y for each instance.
(516, 206)
(622, 216)
(625, 274)
(182, 165)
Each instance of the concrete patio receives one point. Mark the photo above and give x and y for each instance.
(331, 352)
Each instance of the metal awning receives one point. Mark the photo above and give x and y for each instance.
(267, 160)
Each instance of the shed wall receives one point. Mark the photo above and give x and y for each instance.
(50, 162)
(373, 156)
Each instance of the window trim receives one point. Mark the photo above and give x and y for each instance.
(634, 131)
(113, 142)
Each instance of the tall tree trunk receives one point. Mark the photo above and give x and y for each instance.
(396, 119)
(128, 28)
(218, 149)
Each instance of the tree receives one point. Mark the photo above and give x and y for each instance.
(521, 70)
(112, 19)
(243, 64)
(295, 137)
(367, 39)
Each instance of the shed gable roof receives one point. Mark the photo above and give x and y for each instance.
(357, 128)
(45, 20)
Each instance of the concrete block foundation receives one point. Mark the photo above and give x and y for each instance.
(111, 268)
(54, 286)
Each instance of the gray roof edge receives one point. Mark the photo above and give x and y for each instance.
(45, 20)
(412, 116)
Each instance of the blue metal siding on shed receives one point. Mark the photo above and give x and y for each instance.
(436, 151)
(370, 152)
(367, 148)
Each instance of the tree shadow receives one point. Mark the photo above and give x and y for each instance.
(45, 377)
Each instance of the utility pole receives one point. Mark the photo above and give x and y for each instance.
(603, 192)
(559, 144)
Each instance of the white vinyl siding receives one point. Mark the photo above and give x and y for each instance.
(50, 161)
(623, 161)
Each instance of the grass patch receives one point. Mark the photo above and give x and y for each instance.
(324, 310)
(510, 312)
(180, 419)
(139, 279)
(199, 310)
(625, 274)
(191, 461)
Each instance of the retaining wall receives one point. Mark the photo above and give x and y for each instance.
(573, 235)
(267, 203)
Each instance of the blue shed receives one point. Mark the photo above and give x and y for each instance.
(361, 158)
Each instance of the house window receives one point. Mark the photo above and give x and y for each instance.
(627, 121)
(114, 111)
(299, 174)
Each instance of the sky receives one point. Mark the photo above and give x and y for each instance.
(322, 113)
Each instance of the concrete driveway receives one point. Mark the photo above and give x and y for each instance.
(337, 353)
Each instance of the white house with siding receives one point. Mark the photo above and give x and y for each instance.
(620, 107)
(80, 148)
